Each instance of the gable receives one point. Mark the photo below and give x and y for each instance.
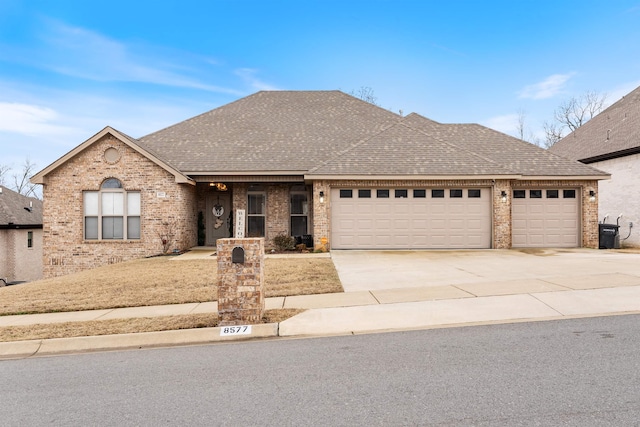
(39, 178)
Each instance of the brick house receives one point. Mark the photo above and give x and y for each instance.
(20, 237)
(333, 170)
(611, 142)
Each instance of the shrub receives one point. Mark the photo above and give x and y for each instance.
(282, 242)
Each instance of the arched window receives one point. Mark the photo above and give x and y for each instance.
(111, 213)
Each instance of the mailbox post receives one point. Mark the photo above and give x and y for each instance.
(240, 281)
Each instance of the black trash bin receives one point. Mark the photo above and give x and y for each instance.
(307, 239)
(608, 234)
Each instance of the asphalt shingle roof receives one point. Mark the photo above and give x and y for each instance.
(330, 132)
(614, 131)
(13, 212)
(403, 150)
(269, 131)
(517, 156)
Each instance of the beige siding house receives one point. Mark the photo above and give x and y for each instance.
(329, 169)
(20, 237)
(611, 142)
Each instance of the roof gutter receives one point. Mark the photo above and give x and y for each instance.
(410, 177)
(610, 156)
(567, 178)
(12, 226)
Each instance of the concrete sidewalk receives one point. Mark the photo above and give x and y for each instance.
(360, 312)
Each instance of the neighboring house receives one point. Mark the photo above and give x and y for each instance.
(611, 142)
(337, 172)
(20, 236)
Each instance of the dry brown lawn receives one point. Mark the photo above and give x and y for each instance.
(152, 281)
(125, 326)
(159, 281)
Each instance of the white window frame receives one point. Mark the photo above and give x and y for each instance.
(130, 210)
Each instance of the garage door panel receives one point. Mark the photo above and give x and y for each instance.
(409, 223)
(545, 222)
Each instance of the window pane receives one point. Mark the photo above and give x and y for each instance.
(90, 202)
(30, 239)
(519, 194)
(256, 204)
(112, 227)
(382, 194)
(401, 194)
(298, 225)
(133, 204)
(552, 194)
(364, 194)
(299, 204)
(535, 194)
(91, 228)
(346, 194)
(255, 226)
(419, 194)
(474, 193)
(112, 203)
(111, 183)
(133, 227)
(569, 194)
(437, 194)
(455, 194)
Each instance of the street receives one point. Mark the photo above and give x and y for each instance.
(581, 372)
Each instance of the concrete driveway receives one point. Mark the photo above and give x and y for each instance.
(475, 270)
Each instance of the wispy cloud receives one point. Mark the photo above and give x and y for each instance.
(82, 53)
(32, 120)
(249, 77)
(548, 88)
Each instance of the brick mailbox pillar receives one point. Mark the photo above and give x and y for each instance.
(240, 281)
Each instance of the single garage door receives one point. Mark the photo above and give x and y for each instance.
(416, 218)
(546, 218)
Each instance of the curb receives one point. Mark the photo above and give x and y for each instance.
(23, 349)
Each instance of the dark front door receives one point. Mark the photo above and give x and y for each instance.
(217, 217)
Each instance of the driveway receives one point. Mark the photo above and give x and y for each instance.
(473, 270)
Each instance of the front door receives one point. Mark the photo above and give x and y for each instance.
(217, 217)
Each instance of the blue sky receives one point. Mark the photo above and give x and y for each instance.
(69, 68)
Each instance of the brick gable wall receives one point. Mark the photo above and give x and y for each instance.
(66, 251)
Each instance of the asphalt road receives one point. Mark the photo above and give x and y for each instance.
(581, 372)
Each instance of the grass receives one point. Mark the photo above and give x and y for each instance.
(159, 281)
(152, 281)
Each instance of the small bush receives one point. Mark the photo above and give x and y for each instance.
(282, 242)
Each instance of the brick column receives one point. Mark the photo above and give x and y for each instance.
(240, 284)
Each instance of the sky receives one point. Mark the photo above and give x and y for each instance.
(70, 68)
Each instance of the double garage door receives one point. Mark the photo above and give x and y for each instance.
(415, 218)
(432, 218)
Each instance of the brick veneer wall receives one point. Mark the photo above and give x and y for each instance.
(17, 261)
(240, 285)
(277, 208)
(64, 248)
(502, 219)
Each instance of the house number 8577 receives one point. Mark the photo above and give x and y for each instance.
(235, 330)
